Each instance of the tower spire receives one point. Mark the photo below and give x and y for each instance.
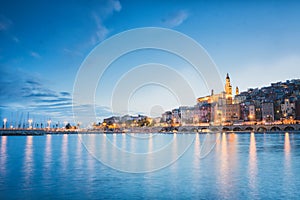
(228, 87)
(237, 91)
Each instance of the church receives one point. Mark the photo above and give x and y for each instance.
(223, 109)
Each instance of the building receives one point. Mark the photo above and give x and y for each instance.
(231, 112)
(267, 112)
(288, 109)
(228, 87)
(252, 113)
(248, 111)
(167, 117)
(237, 91)
(187, 115)
(176, 118)
(298, 110)
(205, 113)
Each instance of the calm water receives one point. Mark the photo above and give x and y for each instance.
(220, 166)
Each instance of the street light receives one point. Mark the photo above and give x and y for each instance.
(30, 122)
(4, 122)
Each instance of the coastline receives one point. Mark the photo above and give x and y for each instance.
(258, 129)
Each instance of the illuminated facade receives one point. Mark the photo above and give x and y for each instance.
(228, 87)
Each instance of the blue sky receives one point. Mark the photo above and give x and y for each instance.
(43, 43)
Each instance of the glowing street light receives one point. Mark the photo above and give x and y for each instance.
(4, 122)
(30, 122)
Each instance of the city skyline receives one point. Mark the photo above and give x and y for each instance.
(43, 46)
(283, 108)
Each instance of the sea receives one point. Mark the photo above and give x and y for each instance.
(151, 166)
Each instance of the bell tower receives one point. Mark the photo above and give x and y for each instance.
(237, 91)
(228, 87)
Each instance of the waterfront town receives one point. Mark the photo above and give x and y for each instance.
(276, 104)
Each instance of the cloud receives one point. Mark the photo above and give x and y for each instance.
(176, 18)
(34, 54)
(101, 32)
(5, 23)
(32, 82)
(22, 93)
(65, 93)
(15, 39)
(107, 9)
(72, 52)
(40, 94)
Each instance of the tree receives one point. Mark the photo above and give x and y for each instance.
(68, 126)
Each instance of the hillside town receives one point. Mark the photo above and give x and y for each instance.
(278, 103)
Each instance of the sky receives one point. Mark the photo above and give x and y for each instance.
(43, 44)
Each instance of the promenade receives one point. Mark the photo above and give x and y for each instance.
(181, 129)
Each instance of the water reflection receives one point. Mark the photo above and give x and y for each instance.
(287, 147)
(227, 165)
(3, 155)
(223, 168)
(90, 161)
(150, 149)
(47, 156)
(287, 161)
(103, 148)
(124, 146)
(260, 172)
(79, 151)
(174, 150)
(28, 162)
(64, 152)
(252, 170)
(197, 152)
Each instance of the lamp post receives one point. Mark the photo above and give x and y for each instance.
(4, 122)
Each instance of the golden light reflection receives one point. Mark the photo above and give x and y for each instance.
(197, 151)
(174, 151)
(232, 149)
(224, 165)
(228, 161)
(252, 170)
(287, 145)
(287, 153)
